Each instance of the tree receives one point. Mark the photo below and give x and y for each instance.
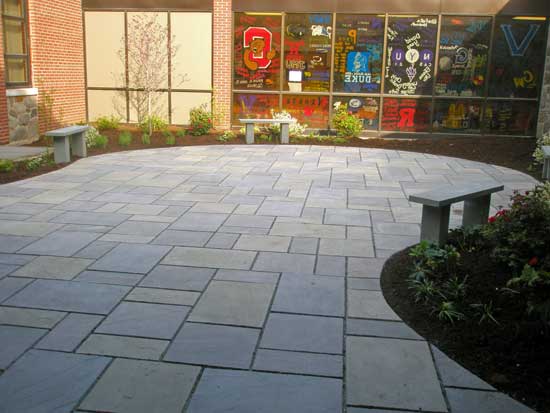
(147, 50)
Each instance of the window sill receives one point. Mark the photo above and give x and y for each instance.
(27, 91)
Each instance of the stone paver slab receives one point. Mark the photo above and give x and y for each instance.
(9, 286)
(13, 243)
(308, 230)
(15, 341)
(299, 363)
(474, 401)
(379, 328)
(120, 346)
(282, 262)
(263, 243)
(353, 248)
(138, 259)
(369, 304)
(178, 278)
(453, 374)
(106, 277)
(194, 221)
(247, 276)
(160, 296)
(183, 238)
(210, 258)
(90, 218)
(69, 333)
(53, 268)
(27, 229)
(61, 244)
(29, 317)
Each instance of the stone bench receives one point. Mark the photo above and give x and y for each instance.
(67, 140)
(546, 165)
(249, 125)
(436, 208)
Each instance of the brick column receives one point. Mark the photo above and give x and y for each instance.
(544, 105)
(222, 52)
(4, 129)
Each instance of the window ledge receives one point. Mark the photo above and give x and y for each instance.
(27, 91)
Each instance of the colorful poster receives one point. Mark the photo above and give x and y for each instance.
(257, 58)
(457, 116)
(247, 105)
(518, 57)
(308, 46)
(365, 108)
(510, 118)
(410, 55)
(358, 50)
(406, 115)
(310, 110)
(463, 55)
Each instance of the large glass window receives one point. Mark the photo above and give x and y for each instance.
(518, 57)
(457, 116)
(365, 108)
(463, 54)
(257, 56)
(308, 45)
(247, 105)
(406, 115)
(509, 117)
(308, 109)
(410, 55)
(358, 51)
(16, 52)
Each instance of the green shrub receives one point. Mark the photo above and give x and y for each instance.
(146, 139)
(538, 155)
(227, 136)
(200, 121)
(294, 129)
(157, 124)
(6, 165)
(125, 138)
(35, 163)
(101, 141)
(340, 141)
(107, 122)
(345, 123)
(265, 137)
(170, 138)
(181, 133)
(94, 139)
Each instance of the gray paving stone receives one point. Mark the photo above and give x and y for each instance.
(14, 259)
(220, 240)
(394, 242)
(210, 258)
(342, 216)
(15, 341)
(253, 221)
(233, 303)
(90, 218)
(144, 320)
(378, 328)
(281, 209)
(199, 221)
(139, 228)
(474, 401)
(135, 386)
(70, 332)
(396, 228)
(247, 276)
(293, 229)
(453, 374)
(304, 245)
(183, 238)
(141, 209)
(62, 244)
(27, 229)
(128, 258)
(105, 277)
(12, 243)
(303, 333)
(213, 208)
(361, 410)
(9, 286)
(253, 392)
(372, 284)
(69, 296)
(53, 268)
(282, 262)
(159, 296)
(309, 294)
(263, 243)
(299, 363)
(405, 374)
(353, 248)
(369, 304)
(29, 317)
(178, 278)
(327, 265)
(95, 250)
(120, 346)
(365, 267)
(46, 381)
(214, 345)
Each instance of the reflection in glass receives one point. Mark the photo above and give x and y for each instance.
(246, 105)
(510, 118)
(308, 109)
(406, 115)
(365, 108)
(457, 116)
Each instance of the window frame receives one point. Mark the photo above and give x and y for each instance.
(26, 56)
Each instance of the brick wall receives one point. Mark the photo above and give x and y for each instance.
(222, 49)
(4, 130)
(57, 56)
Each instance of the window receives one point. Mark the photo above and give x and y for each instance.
(457, 116)
(365, 108)
(248, 105)
(308, 109)
(406, 115)
(16, 52)
(510, 117)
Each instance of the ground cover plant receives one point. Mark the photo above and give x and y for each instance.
(484, 297)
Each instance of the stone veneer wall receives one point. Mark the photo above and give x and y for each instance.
(544, 105)
(23, 118)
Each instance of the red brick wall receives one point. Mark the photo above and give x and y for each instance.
(223, 49)
(57, 56)
(4, 131)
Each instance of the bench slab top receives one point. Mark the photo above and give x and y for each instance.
(546, 151)
(449, 195)
(70, 130)
(267, 120)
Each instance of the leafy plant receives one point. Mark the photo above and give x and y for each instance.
(35, 163)
(181, 133)
(100, 141)
(340, 141)
(146, 139)
(447, 311)
(6, 165)
(125, 138)
(94, 139)
(538, 155)
(485, 312)
(200, 120)
(265, 137)
(294, 129)
(107, 122)
(345, 123)
(153, 123)
(170, 138)
(534, 285)
(227, 136)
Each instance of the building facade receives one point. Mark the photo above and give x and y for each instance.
(423, 66)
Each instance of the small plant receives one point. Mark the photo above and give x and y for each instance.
(340, 141)
(6, 165)
(107, 123)
(227, 136)
(265, 137)
(200, 121)
(181, 133)
(35, 163)
(101, 141)
(170, 138)
(146, 139)
(447, 312)
(538, 155)
(94, 139)
(345, 123)
(485, 313)
(153, 123)
(125, 139)
(294, 129)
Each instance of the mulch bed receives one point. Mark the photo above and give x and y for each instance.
(510, 152)
(513, 357)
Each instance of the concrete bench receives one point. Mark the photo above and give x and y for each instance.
(249, 125)
(546, 165)
(436, 208)
(65, 139)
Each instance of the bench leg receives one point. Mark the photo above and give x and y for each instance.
(546, 169)
(249, 133)
(61, 149)
(78, 145)
(476, 211)
(435, 224)
(285, 132)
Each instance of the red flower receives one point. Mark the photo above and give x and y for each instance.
(492, 219)
(533, 261)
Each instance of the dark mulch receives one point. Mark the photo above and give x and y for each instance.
(514, 356)
(510, 152)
